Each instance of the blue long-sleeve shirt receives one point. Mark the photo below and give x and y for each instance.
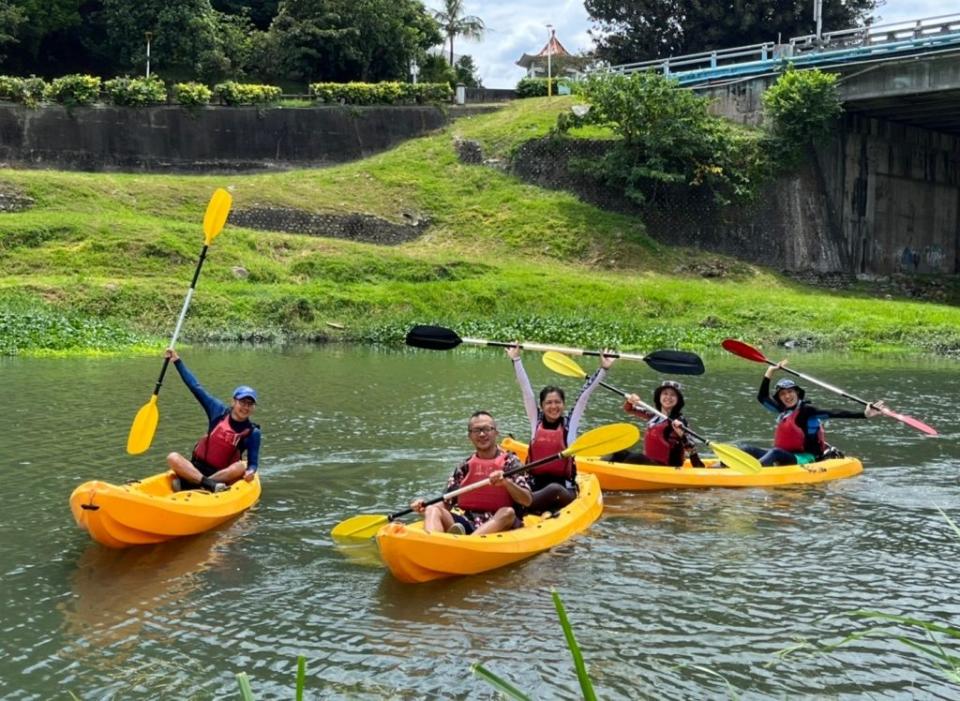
(808, 417)
(216, 410)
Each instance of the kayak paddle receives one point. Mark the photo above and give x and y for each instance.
(599, 441)
(669, 362)
(729, 455)
(145, 422)
(747, 351)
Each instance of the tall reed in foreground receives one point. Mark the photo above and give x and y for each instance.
(506, 688)
(931, 639)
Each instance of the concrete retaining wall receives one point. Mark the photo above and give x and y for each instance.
(208, 139)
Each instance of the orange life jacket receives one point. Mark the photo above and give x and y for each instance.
(790, 437)
(220, 448)
(490, 497)
(655, 443)
(547, 442)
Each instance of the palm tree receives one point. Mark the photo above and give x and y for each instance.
(454, 23)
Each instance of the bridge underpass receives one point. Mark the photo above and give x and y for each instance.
(884, 196)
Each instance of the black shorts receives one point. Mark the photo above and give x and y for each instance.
(205, 469)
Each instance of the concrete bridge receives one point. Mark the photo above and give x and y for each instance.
(884, 195)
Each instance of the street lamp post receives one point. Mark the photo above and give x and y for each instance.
(149, 36)
(818, 18)
(549, 56)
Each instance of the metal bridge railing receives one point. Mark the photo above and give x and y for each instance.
(842, 45)
(874, 35)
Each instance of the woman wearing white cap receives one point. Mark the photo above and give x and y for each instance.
(217, 458)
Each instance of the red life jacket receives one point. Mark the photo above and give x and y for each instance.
(655, 443)
(789, 436)
(220, 447)
(488, 498)
(547, 442)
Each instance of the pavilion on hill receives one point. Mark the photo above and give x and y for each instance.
(561, 62)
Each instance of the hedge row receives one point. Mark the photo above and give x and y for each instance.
(537, 87)
(73, 90)
(387, 93)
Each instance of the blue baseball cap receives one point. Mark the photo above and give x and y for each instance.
(245, 392)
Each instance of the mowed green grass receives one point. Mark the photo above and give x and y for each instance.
(101, 263)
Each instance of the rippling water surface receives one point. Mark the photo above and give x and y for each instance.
(678, 594)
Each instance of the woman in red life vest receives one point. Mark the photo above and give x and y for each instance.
(217, 458)
(551, 431)
(799, 435)
(664, 442)
(489, 509)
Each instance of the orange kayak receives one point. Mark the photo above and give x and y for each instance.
(415, 556)
(636, 478)
(149, 511)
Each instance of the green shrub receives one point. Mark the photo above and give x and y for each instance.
(73, 90)
(11, 88)
(670, 141)
(536, 87)
(192, 94)
(233, 93)
(34, 89)
(136, 92)
(384, 93)
(429, 93)
(802, 106)
(27, 91)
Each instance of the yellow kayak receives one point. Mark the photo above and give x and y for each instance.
(635, 478)
(415, 556)
(149, 511)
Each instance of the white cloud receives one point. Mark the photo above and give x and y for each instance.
(516, 27)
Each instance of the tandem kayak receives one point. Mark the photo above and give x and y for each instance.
(414, 556)
(149, 511)
(635, 478)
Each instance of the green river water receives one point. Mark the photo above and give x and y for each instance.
(676, 594)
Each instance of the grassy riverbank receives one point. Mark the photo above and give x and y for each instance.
(102, 261)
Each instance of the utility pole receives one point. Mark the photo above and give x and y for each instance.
(818, 18)
(549, 56)
(149, 36)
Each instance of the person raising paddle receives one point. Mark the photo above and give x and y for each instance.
(551, 431)
(799, 435)
(489, 509)
(216, 460)
(665, 441)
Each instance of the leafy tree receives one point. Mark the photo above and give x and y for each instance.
(48, 35)
(340, 40)
(11, 17)
(625, 32)
(454, 23)
(669, 140)
(467, 72)
(260, 12)
(435, 69)
(803, 107)
(189, 39)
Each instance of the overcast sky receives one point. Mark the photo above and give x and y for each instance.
(518, 26)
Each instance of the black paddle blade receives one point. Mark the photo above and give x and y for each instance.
(433, 338)
(674, 362)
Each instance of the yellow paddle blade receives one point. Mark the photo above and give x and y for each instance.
(217, 212)
(363, 526)
(563, 364)
(606, 439)
(736, 459)
(143, 427)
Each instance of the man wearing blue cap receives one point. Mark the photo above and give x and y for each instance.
(217, 457)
